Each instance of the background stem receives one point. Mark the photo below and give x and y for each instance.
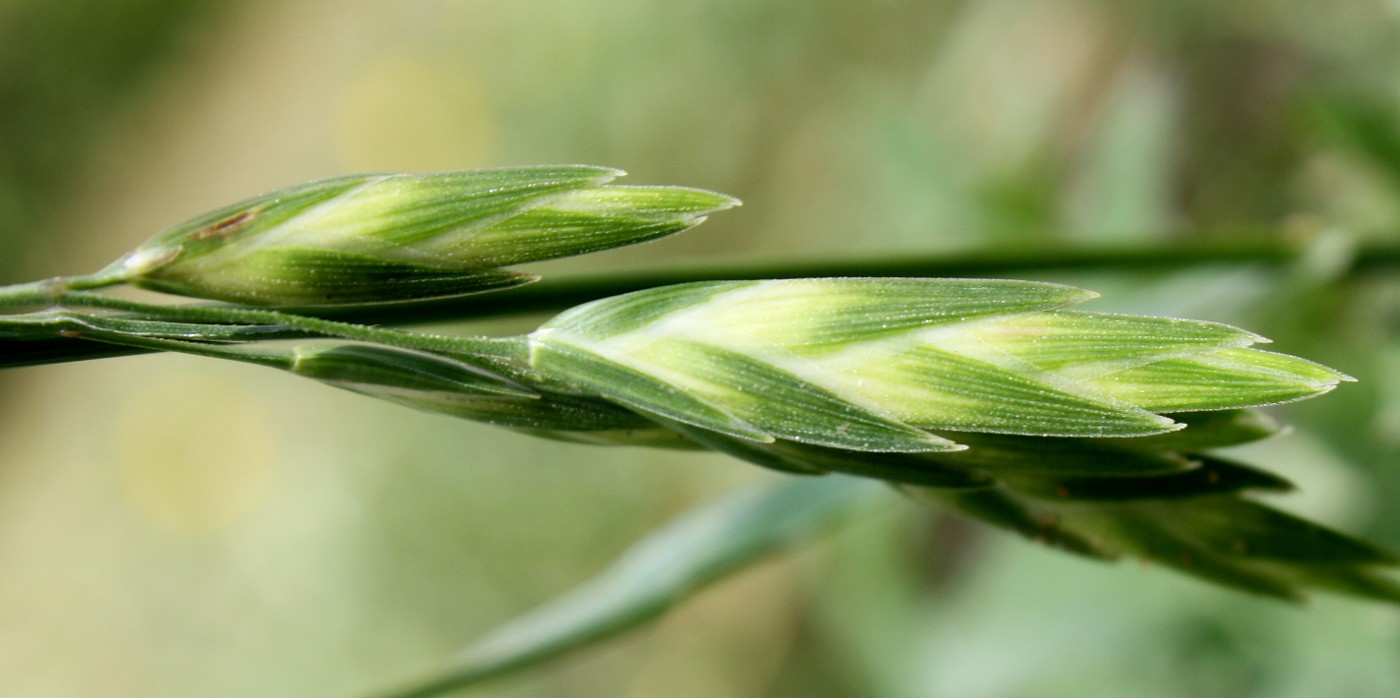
(553, 295)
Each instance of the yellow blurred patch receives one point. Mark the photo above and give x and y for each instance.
(194, 471)
(409, 113)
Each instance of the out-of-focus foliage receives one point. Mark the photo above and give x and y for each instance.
(71, 71)
(171, 528)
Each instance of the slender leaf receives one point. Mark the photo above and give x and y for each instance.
(656, 574)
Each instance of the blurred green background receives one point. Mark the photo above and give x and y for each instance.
(172, 526)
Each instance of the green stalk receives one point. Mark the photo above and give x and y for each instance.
(238, 353)
(46, 291)
(556, 295)
(482, 347)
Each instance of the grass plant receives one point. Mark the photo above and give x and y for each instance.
(1000, 399)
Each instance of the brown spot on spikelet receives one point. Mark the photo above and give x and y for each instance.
(227, 226)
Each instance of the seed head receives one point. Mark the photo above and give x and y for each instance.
(364, 239)
(885, 364)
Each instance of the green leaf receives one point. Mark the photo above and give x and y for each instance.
(370, 204)
(654, 575)
(340, 278)
(1228, 378)
(804, 459)
(443, 385)
(1205, 476)
(1217, 536)
(748, 392)
(631, 312)
(1076, 339)
(1206, 430)
(1002, 455)
(588, 220)
(60, 323)
(638, 390)
(1231, 525)
(373, 368)
(940, 389)
(810, 315)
